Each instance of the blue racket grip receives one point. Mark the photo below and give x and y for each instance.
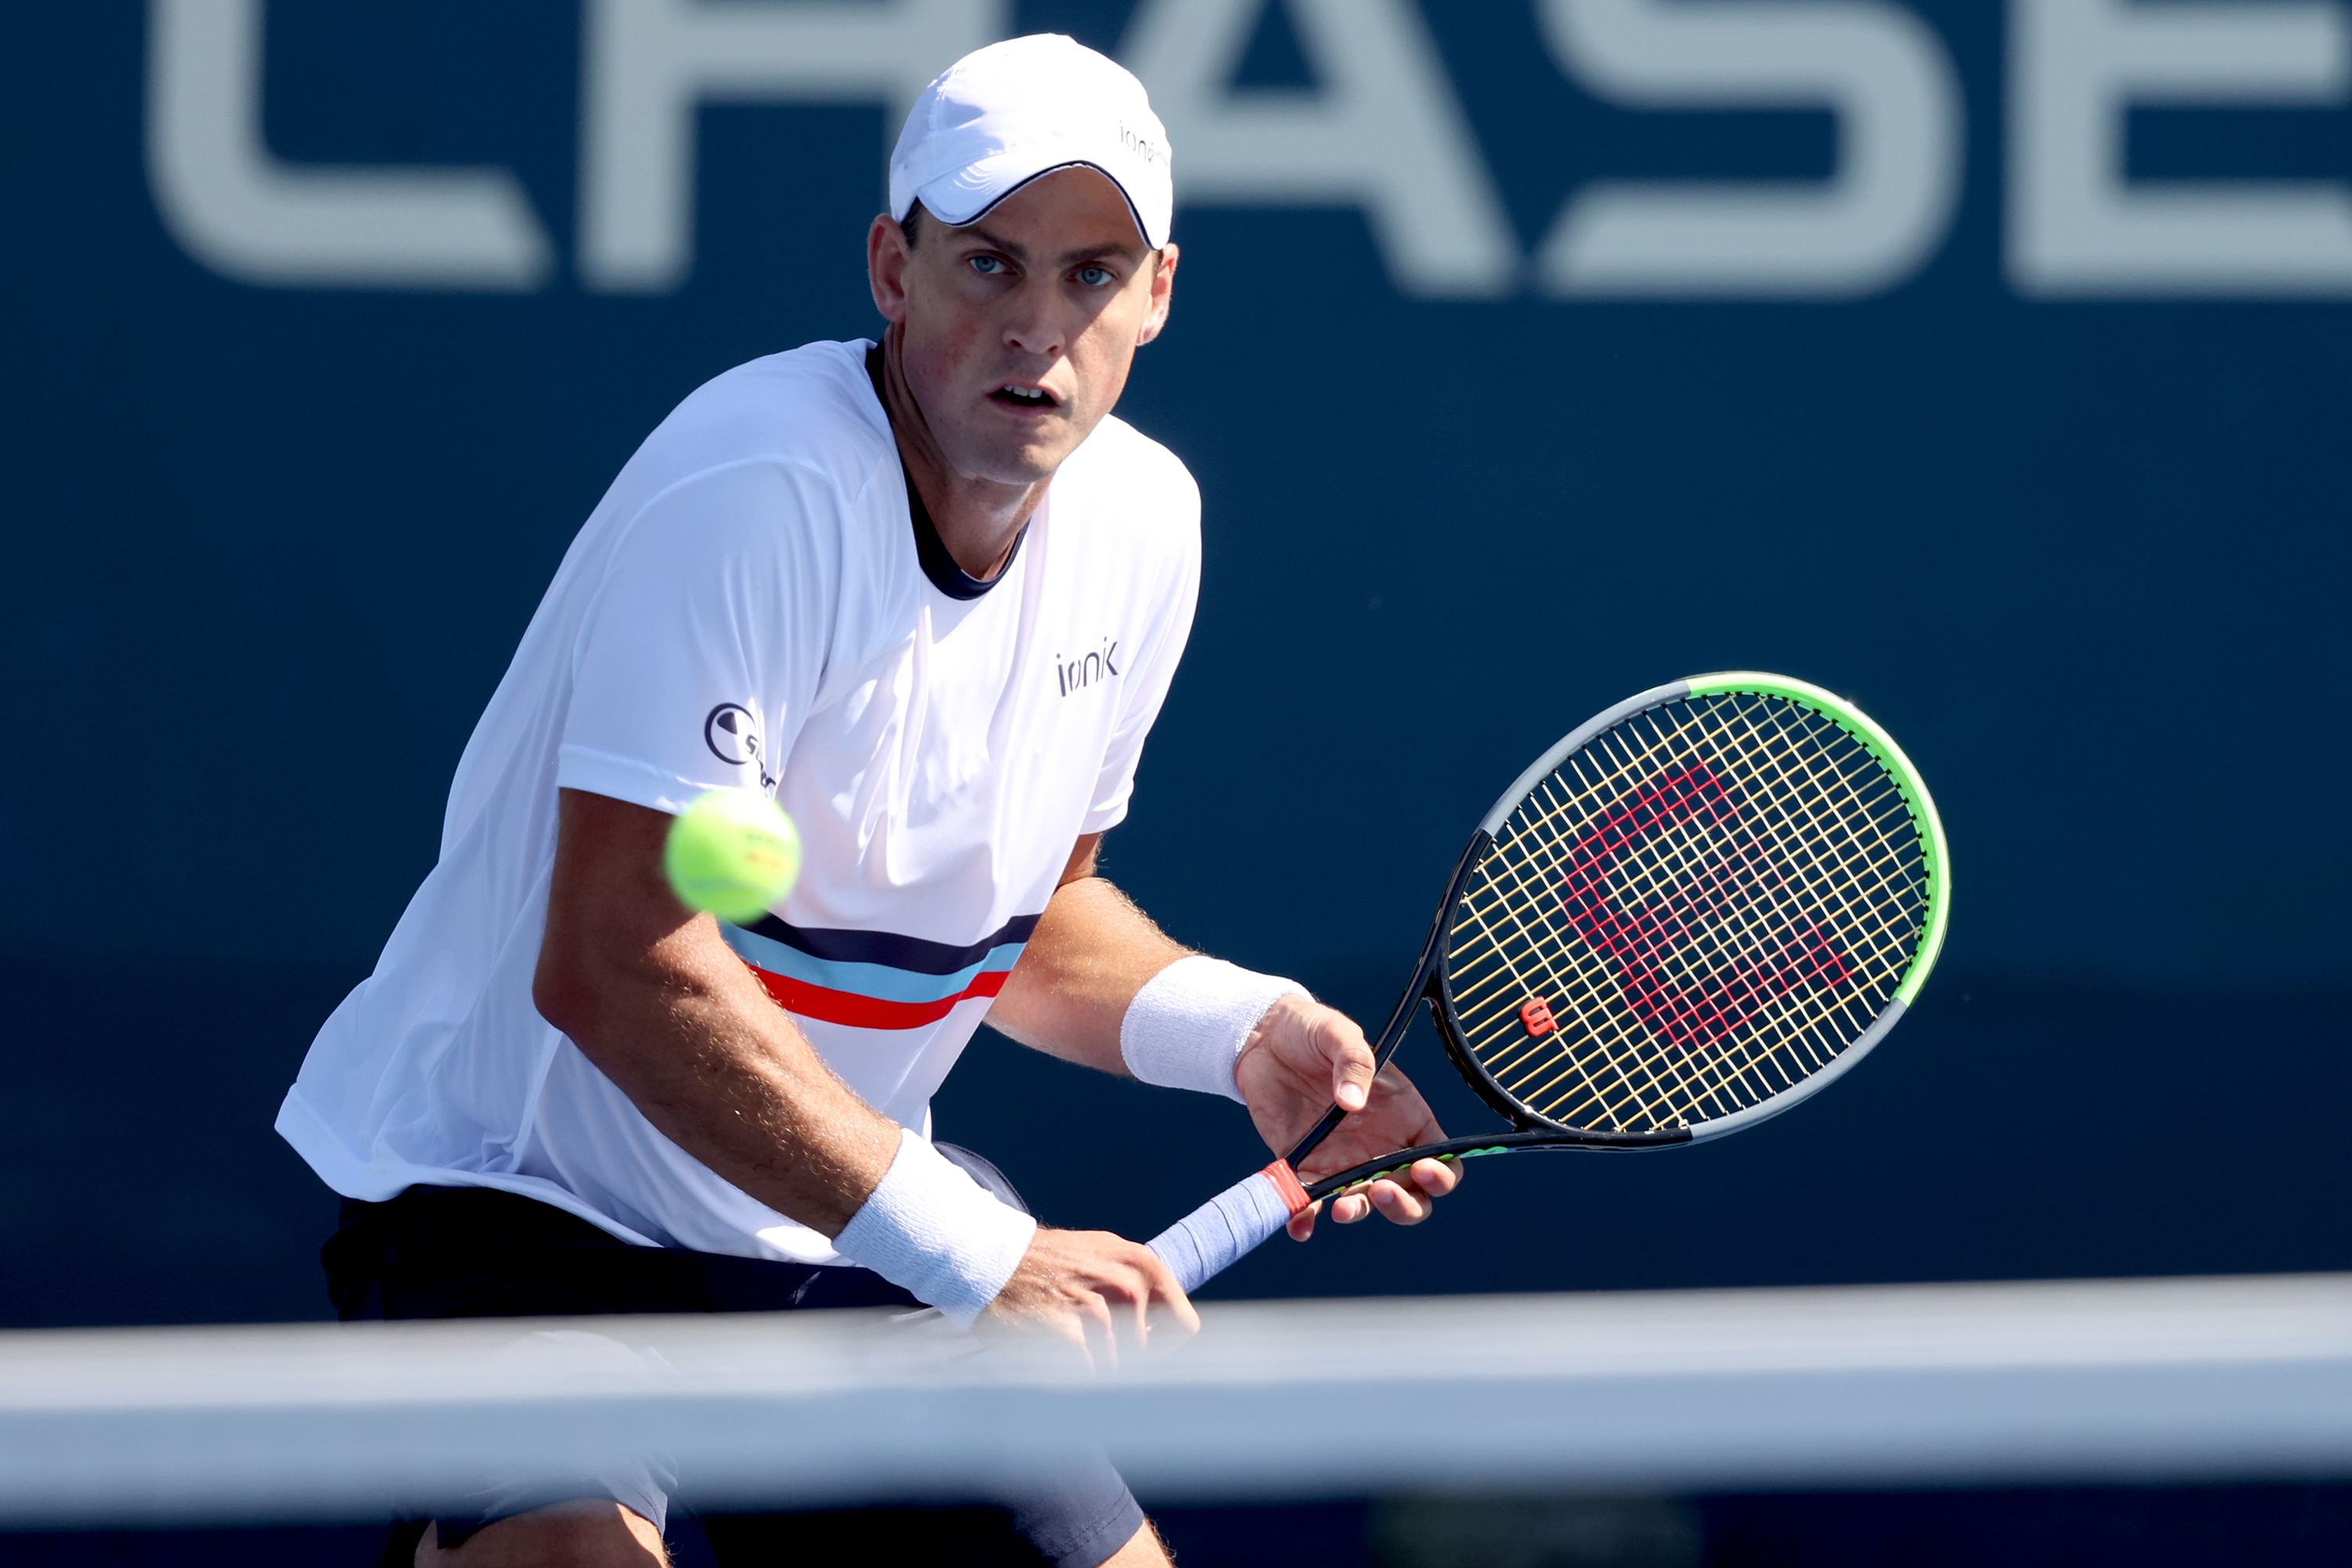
(1214, 1236)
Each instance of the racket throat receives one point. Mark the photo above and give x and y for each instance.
(1422, 987)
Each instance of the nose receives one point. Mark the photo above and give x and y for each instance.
(1032, 322)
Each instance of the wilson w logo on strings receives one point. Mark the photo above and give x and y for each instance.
(1713, 887)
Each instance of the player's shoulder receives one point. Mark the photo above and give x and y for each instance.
(811, 407)
(1124, 473)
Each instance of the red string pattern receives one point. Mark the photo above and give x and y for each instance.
(1642, 941)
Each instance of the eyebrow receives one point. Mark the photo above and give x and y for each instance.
(1068, 259)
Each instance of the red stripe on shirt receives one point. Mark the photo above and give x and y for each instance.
(803, 1000)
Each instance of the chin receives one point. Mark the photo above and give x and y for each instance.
(1029, 463)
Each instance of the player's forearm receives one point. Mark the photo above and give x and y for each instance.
(652, 996)
(687, 1034)
(660, 1004)
(710, 1061)
(1089, 955)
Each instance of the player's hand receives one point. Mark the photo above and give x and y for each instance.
(1097, 1291)
(1303, 1058)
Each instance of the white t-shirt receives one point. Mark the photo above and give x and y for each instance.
(754, 605)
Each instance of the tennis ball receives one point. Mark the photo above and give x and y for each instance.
(733, 853)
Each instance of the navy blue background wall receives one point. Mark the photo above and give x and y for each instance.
(268, 550)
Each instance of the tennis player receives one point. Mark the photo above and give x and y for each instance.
(930, 594)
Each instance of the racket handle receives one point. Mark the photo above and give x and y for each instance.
(1213, 1237)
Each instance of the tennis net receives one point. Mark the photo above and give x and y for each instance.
(2165, 1380)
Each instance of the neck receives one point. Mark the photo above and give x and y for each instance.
(978, 519)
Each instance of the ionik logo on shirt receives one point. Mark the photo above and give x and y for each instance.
(1078, 674)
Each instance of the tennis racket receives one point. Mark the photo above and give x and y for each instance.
(1700, 908)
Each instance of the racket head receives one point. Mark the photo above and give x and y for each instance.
(1699, 908)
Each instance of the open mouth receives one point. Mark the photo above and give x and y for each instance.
(1025, 396)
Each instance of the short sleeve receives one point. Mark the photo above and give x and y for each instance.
(1144, 686)
(707, 640)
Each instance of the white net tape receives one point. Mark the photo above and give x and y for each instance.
(2191, 1379)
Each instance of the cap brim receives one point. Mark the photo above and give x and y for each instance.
(969, 194)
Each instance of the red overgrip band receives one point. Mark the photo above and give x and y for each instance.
(1286, 1181)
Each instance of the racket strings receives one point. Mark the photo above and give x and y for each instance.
(1680, 1075)
(1805, 842)
(1714, 898)
(1829, 805)
(1602, 1076)
(1625, 1098)
(1705, 1079)
(1658, 1103)
(1674, 863)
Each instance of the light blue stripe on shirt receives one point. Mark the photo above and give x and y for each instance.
(878, 980)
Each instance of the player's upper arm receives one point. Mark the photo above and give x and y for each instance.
(708, 638)
(610, 910)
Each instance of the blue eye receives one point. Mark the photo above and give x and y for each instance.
(1093, 276)
(987, 266)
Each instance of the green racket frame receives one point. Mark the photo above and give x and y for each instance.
(1431, 982)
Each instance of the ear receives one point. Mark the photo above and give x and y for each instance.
(1163, 290)
(886, 267)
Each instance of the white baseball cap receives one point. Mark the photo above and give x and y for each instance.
(1001, 116)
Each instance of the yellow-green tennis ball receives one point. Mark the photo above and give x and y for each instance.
(733, 853)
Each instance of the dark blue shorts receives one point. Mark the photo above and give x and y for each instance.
(475, 1252)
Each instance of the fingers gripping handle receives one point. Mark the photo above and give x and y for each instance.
(1204, 1243)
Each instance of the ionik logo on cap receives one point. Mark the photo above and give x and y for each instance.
(1140, 145)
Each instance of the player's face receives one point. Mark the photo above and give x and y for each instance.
(1017, 330)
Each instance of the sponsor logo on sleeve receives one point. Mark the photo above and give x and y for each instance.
(732, 735)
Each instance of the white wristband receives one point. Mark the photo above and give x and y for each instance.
(1186, 1028)
(932, 1229)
